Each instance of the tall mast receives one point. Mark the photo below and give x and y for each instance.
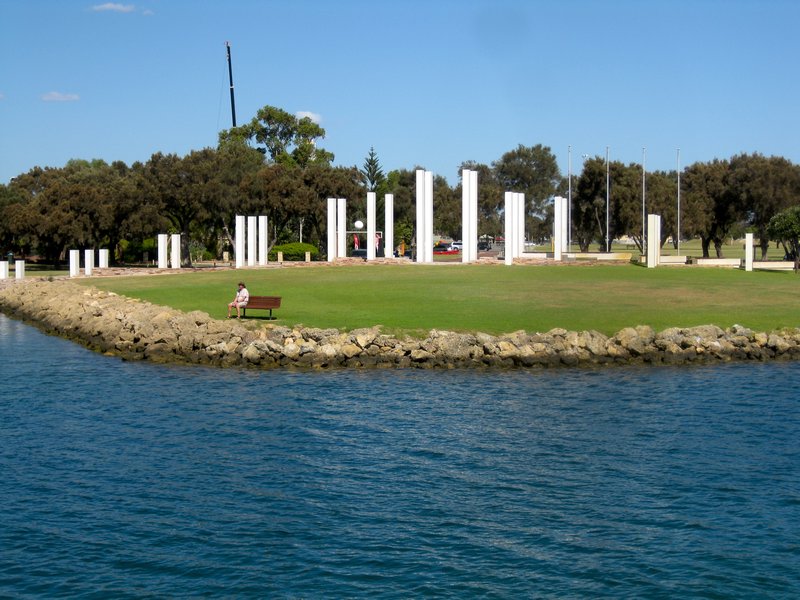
(230, 77)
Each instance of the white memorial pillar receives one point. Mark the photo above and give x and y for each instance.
(162, 250)
(3, 269)
(466, 220)
(519, 247)
(371, 208)
(252, 225)
(74, 263)
(473, 216)
(558, 216)
(238, 240)
(19, 269)
(653, 240)
(388, 228)
(510, 215)
(102, 256)
(748, 251)
(262, 240)
(88, 261)
(564, 225)
(175, 253)
(429, 216)
(341, 227)
(331, 229)
(420, 193)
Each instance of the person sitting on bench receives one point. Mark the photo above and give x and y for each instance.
(240, 301)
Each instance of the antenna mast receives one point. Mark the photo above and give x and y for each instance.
(230, 77)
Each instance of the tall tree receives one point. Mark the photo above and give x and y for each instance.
(372, 171)
(763, 187)
(785, 227)
(532, 170)
(285, 138)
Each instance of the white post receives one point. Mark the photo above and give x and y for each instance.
(558, 229)
(371, 207)
(331, 229)
(175, 252)
(3, 269)
(748, 251)
(653, 240)
(473, 215)
(238, 241)
(19, 269)
(263, 232)
(74, 263)
(102, 255)
(429, 216)
(88, 261)
(520, 208)
(388, 229)
(466, 221)
(420, 194)
(509, 228)
(341, 227)
(162, 250)
(252, 225)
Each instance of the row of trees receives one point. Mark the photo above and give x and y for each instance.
(274, 166)
(718, 199)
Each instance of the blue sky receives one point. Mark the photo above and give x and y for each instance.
(428, 83)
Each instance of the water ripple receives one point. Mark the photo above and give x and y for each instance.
(131, 480)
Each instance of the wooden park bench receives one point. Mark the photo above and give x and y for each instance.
(262, 303)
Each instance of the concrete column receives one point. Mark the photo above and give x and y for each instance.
(88, 261)
(252, 225)
(74, 263)
(473, 216)
(175, 251)
(331, 229)
(519, 247)
(420, 224)
(429, 216)
(341, 227)
(748, 251)
(653, 240)
(558, 228)
(102, 255)
(388, 228)
(162, 251)
(371, 230)
(263, 230)
(238, 241)
(19, 269)
(466, 222)
(509, 228)
(3, 269)
(564, 226)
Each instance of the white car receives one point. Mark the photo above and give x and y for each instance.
(457, 246)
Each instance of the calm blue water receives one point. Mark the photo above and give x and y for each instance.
(133, 480)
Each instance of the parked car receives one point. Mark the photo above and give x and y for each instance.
(457, 246)
(484, 246)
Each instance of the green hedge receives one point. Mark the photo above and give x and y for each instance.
(294, 251)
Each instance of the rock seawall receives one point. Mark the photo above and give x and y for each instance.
(135, 330)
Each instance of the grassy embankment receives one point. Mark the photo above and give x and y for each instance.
(494, 299)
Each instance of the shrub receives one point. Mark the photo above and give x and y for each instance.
(294, 251)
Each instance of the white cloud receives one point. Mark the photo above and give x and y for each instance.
(147, 12)
(2, 96)
(311, 115)
(114, 7)
(59, 97)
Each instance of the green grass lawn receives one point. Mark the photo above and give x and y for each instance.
(491, 298)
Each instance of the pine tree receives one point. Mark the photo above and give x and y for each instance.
(372, 171)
